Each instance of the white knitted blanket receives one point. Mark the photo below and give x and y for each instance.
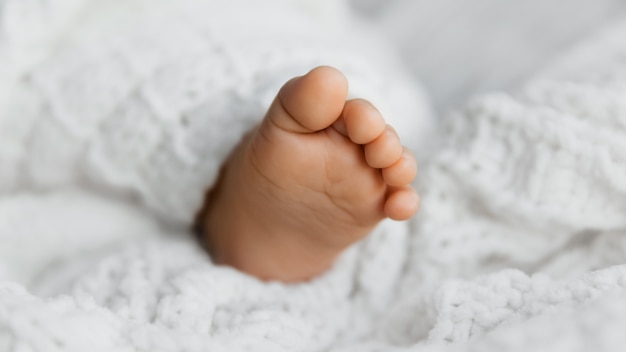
(115, 116)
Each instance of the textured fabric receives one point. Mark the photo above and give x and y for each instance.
(532, 181)
(111, 135)
(147, 100)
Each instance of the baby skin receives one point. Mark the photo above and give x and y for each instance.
(318, 174)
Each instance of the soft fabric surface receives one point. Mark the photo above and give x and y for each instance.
(119, 114)
(461, 48)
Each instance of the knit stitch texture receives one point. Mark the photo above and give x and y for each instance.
(115, 127)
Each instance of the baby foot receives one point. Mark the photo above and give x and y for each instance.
(315, 176)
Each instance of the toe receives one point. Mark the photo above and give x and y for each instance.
(402, 203)
(310, 103)
(363, 123)
(402, 172)
(385, 150)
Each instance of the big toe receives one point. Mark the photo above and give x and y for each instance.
(311, 102)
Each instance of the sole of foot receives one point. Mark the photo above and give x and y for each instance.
(317, 175)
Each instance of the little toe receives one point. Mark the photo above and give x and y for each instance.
(402, 203)
(402, 172)
(385, 150)
(311, 102)
(363, 123)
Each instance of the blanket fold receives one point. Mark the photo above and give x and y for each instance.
(113, 137)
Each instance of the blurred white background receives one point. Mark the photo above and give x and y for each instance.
(459, 48)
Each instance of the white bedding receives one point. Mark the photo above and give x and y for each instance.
(459, 49)
(117, 115)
